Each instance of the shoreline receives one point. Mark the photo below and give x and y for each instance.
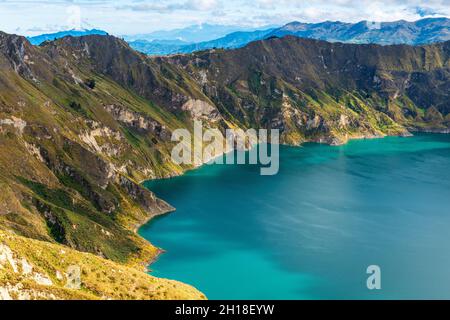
(159, 250)
(432, 131)
(410, 133)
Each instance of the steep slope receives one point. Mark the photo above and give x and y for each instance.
(64, 179)
(74, 145)
(31, 269)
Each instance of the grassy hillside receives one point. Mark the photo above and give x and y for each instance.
(329, 92)
(32, 269)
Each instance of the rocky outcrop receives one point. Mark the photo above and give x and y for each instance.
(22, 268)
(201, 110)
(18, 53)
(138, 121)
(103, 140)
(13, 122)
(144, 197)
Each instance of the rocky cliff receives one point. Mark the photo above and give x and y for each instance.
(315, 90)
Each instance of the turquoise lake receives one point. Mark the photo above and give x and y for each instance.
(311, 231)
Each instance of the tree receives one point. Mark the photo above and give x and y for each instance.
(90, 83)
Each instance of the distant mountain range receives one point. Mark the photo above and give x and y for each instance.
(424, 31)
(398, 32)
(37, 40)
(192, 34)
(207, 36)
(165, 47)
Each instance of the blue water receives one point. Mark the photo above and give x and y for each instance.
(311, 231)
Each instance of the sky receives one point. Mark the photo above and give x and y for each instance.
(126, 17)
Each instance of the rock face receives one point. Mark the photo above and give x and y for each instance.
(84, 120)
(201, 110)
(314, 90)
(138, 121)
(17, 49)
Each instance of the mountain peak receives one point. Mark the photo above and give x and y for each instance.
(16, 49)
(102, 49)
(4, 37)
(423, 31)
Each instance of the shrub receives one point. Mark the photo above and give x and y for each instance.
(75, 106)
(90, 83)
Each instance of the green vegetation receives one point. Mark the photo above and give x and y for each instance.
(90, 83)
(40, 270)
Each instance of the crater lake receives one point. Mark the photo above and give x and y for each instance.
(311, 231)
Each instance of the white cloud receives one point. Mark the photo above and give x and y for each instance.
(141, 16)
(170, 6)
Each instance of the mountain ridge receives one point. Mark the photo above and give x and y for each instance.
(418, 32)
(37, 40)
